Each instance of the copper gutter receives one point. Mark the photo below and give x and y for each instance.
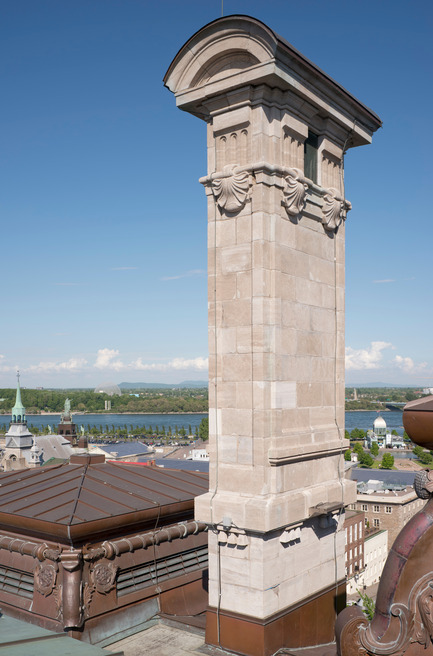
(27, 548)
(110, 549)
(90, 530)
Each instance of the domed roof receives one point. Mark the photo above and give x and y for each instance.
(108, 388)
(379, 422)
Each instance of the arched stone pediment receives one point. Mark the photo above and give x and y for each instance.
(230, 62)
(242, 43)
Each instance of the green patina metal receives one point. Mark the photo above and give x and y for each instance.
(18, 411)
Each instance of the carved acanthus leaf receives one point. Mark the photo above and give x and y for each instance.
(334, 209)
(294, 192)
(231, 189)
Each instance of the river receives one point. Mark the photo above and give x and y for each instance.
(362, 420)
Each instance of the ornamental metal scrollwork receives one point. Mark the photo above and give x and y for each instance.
(45, 578)
(231, 189)
(334, 209)
(295, 192)
(104, 577)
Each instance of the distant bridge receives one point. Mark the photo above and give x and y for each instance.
(395, 406)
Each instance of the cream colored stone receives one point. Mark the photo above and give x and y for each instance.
(276, 308)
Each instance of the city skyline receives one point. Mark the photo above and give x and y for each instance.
(104, 221)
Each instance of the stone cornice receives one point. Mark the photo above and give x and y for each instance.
(231, 188)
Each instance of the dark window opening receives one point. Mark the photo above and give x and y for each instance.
(311, 145)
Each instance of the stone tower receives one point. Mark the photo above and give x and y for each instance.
(277, 130)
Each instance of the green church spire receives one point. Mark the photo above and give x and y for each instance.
(18, 411)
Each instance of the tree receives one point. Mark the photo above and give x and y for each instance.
(418, 451)
(358, 449)
(387, 461)
(374, 450)
(368, 605)
(366, 460)
(394, 432)
(347, 435)
(425, 458)
(203, 429)
(348, 455)
(357, 434)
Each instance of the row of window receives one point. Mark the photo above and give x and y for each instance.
(376, 522)
(376, 508)
(355, 552)
(352, 532)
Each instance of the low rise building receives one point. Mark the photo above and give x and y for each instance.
(354, 526)
(375, 555)
(387, 508)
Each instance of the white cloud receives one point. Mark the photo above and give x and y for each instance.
(197, 364)
(368, 358)
(187, 274)
(384, 280)
(408, 365)
(105, 360)
(5, 367)
(72, 365)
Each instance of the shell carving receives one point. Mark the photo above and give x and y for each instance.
(231, 189)
(295, 192)
(334, 209)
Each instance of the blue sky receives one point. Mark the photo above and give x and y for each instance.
(103, 264)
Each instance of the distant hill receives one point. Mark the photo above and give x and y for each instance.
(387, 385)
(183, 384)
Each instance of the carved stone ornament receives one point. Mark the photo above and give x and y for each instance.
(334, 209)
(104, 577)
(45, 578)
(231, 189)
(294, 192)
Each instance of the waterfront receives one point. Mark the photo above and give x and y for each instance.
(363, 420)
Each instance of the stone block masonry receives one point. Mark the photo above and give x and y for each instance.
(277, 131)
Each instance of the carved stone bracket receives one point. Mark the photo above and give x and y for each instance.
(295, 192)
(233, 538)
(230, 188)
(334, 209)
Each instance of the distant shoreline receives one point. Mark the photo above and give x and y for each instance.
(84, 414)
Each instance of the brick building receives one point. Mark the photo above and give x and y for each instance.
(354, 522)
(388, 509)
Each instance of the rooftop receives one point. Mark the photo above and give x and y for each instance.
(91, 497)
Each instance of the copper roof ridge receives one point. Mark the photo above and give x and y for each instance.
(77, 497)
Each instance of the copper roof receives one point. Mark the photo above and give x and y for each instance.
(79, 501)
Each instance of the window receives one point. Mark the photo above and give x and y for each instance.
(365, 521)
(388, 509)
(311, 145)
(355, 537)
(376, 508)
(364, 507)
(376, 523)
(350, 534)
(360, 530)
